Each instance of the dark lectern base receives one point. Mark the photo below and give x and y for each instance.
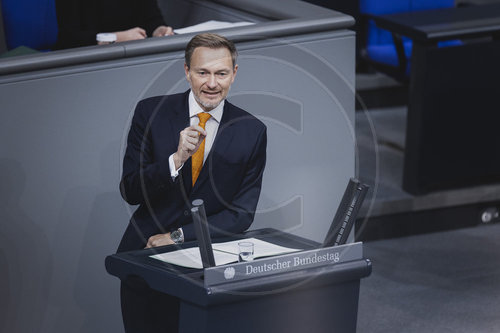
(319, 310)
(312, 300)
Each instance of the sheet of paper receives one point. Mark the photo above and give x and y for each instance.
(187, 257)
(191, 257)
(224, 253)
(210, 25)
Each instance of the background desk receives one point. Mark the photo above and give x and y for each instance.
(452, 127)
(320, 300)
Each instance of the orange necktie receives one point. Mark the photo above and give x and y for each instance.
(197, 158)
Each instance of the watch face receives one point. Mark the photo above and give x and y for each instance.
(176, 236)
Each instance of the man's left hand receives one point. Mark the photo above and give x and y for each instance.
(159, 240)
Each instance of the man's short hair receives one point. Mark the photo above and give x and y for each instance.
(212, 41)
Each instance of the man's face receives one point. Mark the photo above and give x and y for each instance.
(210, 75)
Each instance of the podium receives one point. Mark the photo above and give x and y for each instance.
(315, 290)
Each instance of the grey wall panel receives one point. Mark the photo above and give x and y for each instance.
(63, 134)
(60, 160)
(311, 138)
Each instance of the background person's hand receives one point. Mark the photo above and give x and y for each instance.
(131, 34)
(190, 139)
(159, 240)
(163, 31)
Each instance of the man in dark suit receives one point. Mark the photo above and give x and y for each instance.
(194, 145)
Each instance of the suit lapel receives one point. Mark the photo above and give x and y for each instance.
(179, 121)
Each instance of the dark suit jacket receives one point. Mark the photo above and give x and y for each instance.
(229, 182)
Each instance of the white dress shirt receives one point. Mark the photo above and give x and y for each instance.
(211, 126)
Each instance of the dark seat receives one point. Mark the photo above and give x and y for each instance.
(30, 23)
(388, 52)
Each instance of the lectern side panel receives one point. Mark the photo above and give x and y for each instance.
(320, 310)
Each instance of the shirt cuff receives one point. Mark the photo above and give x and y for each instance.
(173, 173)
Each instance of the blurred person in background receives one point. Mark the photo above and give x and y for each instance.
(81, 20)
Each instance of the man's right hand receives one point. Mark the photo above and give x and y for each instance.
(190, 139)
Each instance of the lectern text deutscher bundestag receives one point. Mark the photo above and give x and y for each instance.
(284, 263)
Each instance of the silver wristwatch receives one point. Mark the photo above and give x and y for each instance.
(177, 236)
